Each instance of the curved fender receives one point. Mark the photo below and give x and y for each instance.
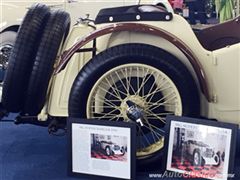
(137, 27)
(13, 19)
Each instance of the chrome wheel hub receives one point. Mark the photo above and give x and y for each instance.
(5, 52)
(136, 100)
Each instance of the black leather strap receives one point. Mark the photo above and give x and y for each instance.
(131, 13)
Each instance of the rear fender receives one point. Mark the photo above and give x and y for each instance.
(13, 19)
(148, 30)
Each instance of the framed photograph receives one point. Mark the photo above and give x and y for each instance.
(101, 149)
(200, 148)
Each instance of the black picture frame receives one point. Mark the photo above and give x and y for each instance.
(101, 129)
(181, 147)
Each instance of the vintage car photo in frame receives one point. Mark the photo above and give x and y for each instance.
(198, 148)
(101, 149)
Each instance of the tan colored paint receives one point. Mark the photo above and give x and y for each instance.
(145, 30)
(179, 28)
(12, 12)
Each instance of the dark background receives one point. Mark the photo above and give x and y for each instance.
(28, 152)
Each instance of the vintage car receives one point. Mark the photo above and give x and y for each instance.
(141, 56)
(111, 148)
(202, 154)
(13, 12)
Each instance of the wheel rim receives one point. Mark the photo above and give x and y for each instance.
(149, 88)
(108, 151)
(217, 159)
(5, 51)
(196, 159)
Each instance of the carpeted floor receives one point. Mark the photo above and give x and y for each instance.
(28, 152)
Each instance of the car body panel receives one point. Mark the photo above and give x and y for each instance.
(206, 152)
(13, 11)
(114, 148)
(228, 59)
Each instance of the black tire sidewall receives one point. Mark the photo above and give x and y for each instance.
(199, 157)
(54, 34)
(21, 59)
(107, 61)
(106, 150)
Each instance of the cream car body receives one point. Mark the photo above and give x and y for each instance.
(14, 11)
(219, 68)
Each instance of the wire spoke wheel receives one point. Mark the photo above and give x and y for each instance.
(149, 88)
(5, 51)
(7, 40)
(196, 158)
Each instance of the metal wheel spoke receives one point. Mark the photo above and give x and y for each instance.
(152, 108)
(108, 115)
(130, 85)
(105, 117)
(153, 84)
(109, 103)
(105, 99)
(120, 79)
(125, 75)
(143, 81)
(156, 133)
(138, 83)
(114, 84)
(162, 114)
(109, 93)
(107, 107)
(115, 89)
(140, 143)
(143, 135)
(153, 126)
(102, 113)
(151, 130)
(164, 97)
(152, 114)
(118, 117)
(150, 104)
(158, 90)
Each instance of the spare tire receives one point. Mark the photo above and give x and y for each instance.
(54, 34)
(22, 56)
